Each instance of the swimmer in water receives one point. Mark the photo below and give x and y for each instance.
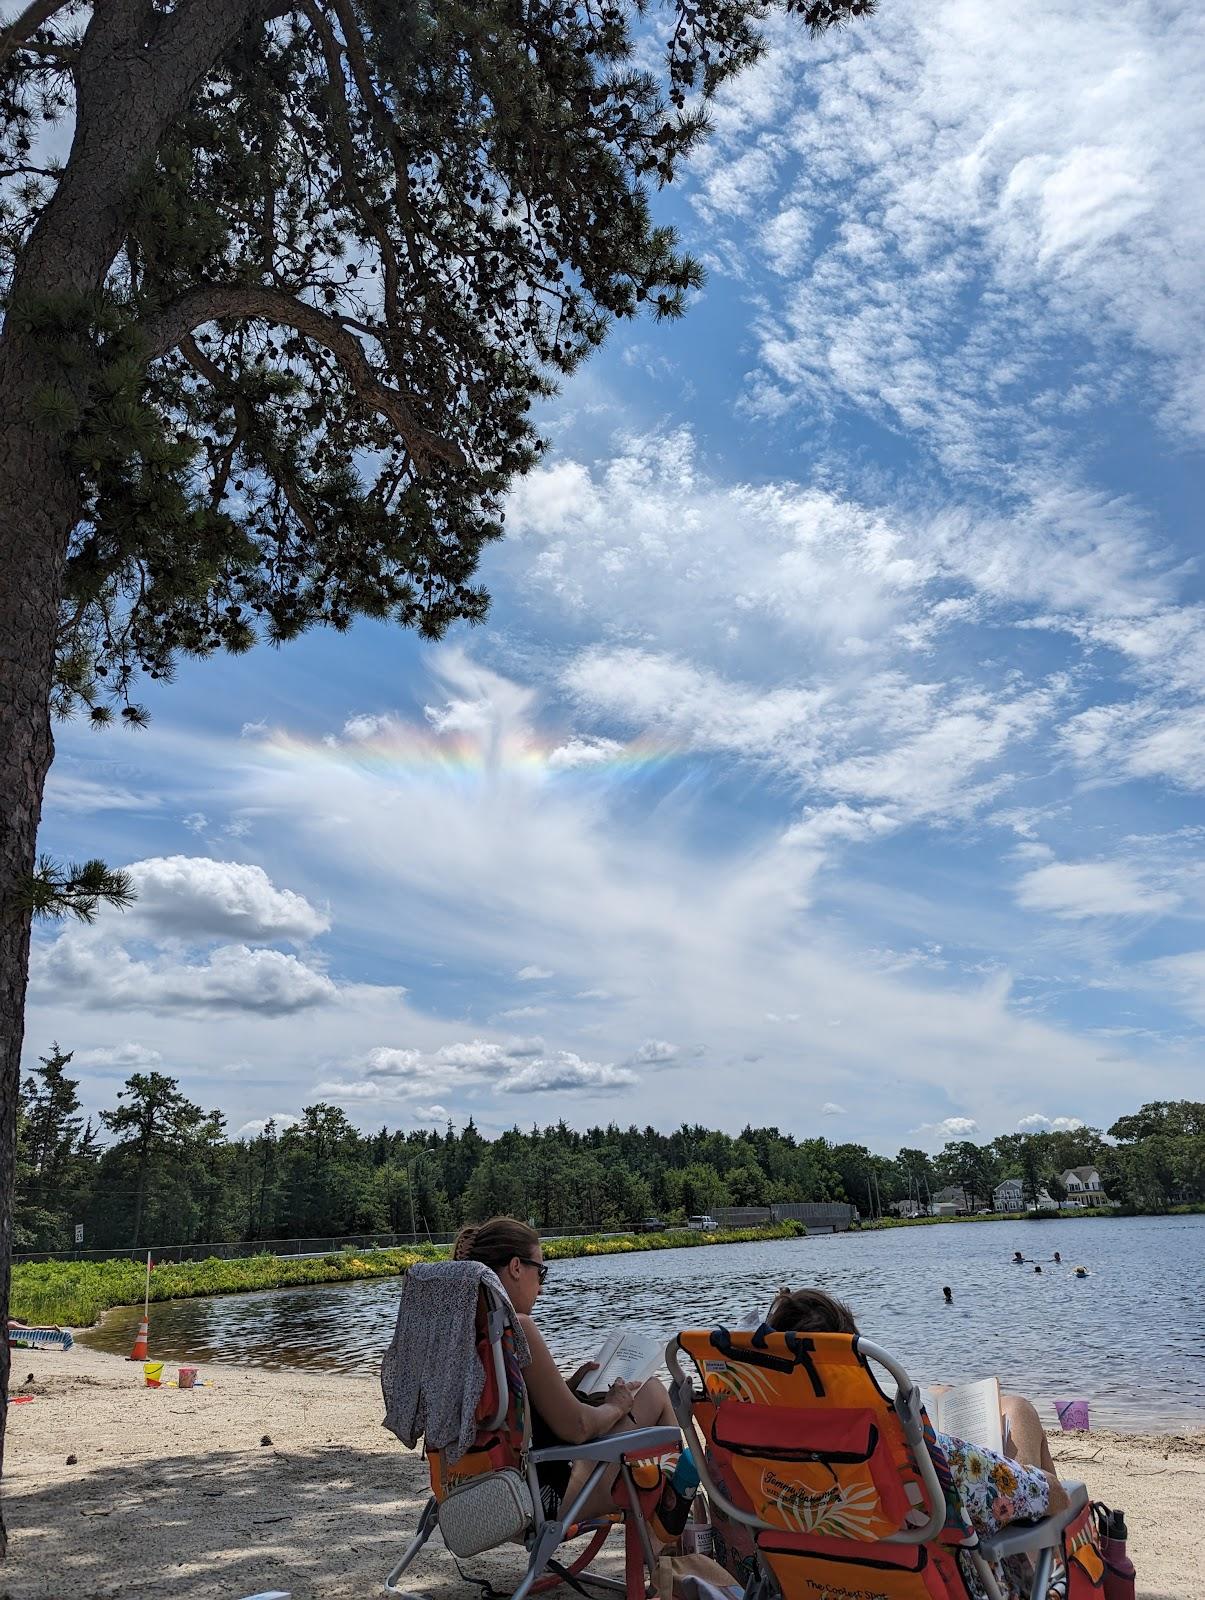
(949, 1294)
(1081, 1272)
(1018, 1257)
(1037, 1269)
(1057, 1256)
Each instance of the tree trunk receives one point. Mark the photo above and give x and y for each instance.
(130, 89)
(37, 509)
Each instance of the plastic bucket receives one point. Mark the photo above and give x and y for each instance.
(1072, 1415)
(188, 1376)
(152, 1371)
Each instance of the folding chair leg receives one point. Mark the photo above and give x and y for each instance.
(542, 1552)
(422, 1533)
(1042, 1569)
(638, 1543)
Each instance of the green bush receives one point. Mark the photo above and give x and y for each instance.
(76, 1293)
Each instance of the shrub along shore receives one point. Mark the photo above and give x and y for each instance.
(76, 1293)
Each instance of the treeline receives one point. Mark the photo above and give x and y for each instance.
(159, 1169)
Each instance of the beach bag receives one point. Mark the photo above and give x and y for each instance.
(483, 1513)
(1083, 1561)
(689, 1577)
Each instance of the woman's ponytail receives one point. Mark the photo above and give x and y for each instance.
(495, 1242)
(462, 1247)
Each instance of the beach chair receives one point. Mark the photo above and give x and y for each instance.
(500, 1471)
(797, 1443)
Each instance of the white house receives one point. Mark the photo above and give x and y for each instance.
(1083, 1187)
(1010, 1196)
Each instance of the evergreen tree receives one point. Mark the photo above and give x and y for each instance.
(295, 241)
(155, 1120)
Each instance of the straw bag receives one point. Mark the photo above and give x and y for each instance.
(486, 1512)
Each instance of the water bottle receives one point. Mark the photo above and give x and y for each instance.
(686, 1475)
(1119, 1569)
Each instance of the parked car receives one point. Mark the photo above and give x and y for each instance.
(650, 1225)
(702, 1223)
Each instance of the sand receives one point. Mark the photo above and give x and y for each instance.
(286, 1480)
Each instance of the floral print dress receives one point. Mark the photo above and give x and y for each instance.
(993, 1491)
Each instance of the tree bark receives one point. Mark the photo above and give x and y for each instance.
(136, 71)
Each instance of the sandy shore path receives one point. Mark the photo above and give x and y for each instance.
(174, 1493)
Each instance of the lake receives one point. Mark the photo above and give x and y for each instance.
(1130, 1337)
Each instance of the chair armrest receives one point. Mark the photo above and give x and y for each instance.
(1022, 1538)
(613, 1446)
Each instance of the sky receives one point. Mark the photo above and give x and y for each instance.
(833, 755)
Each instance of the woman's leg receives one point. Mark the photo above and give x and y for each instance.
(1026, 1441)
(650, 1409)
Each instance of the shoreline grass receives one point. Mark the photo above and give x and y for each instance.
(76, 1294)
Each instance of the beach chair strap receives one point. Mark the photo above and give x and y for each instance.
(756, 1355)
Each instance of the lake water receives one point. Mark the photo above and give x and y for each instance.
(1130, 1337)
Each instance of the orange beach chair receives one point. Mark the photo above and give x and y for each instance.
(491, 1496)
(831, 1476)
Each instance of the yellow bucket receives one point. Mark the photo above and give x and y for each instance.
(152, 1371)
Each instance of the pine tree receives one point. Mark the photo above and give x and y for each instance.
(156, 1119)
(273, 328)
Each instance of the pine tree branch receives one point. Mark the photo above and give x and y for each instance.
(27, 24)
(164, 330)
(76, 890)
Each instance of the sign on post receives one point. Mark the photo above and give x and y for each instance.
(79, 1233)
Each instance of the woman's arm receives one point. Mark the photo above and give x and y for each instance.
(565, 1414)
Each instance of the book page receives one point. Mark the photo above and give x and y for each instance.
(972, 1412)
(627, 1354)
(589, 1384)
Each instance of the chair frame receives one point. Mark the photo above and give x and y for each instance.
(546, 1534)
(1038, 1540)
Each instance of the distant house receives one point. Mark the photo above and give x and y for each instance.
(1083, 1187)
(1010, 1196)
(948, 1202)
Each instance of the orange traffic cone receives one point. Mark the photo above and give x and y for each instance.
(138, 1353)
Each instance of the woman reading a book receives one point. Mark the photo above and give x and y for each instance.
(1019, 1486)
(558, 1416)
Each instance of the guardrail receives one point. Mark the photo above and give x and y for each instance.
(230, 1249)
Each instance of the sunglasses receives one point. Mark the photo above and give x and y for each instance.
(540, 1266)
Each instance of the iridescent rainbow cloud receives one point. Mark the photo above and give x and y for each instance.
(388, 747)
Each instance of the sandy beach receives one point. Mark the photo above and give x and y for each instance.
(286, 1480)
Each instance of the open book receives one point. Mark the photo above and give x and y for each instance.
(627, 1354)
(970, 1412)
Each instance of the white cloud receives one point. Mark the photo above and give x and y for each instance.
(1092, 889)
(194, 898)
(127, 1057)
(655, 1053)
(1037, 1123)
(383, 1062)
(67, 791)
(580, 752)
(961, 190)
(434, 1113)
(830, 1108)
(566, 1071)
(256, 1126)
(533, 973)
(948, 1130)
(81, 971)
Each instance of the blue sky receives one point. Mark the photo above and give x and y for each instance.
(833, 754)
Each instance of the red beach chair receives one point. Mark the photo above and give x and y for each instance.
(491, 1495)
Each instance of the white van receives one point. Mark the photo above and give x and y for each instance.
(702, 1224)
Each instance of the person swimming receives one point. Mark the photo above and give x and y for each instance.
(1037, 1268)
(1057, 1256)
(1081, 1272)
(1018, 1257)
(949, 1294)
